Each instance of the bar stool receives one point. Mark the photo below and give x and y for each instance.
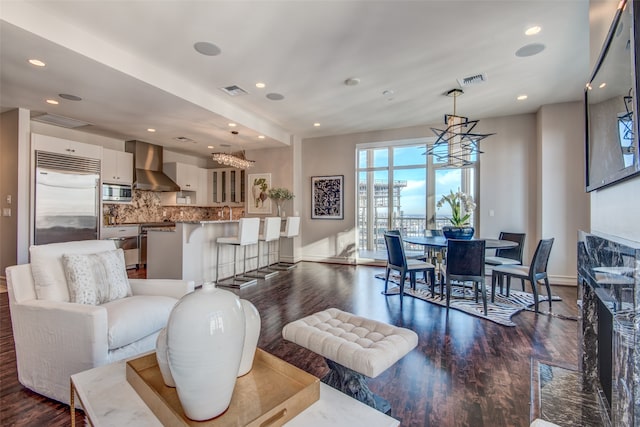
(248, 230)
(270, 233)
(291, 230)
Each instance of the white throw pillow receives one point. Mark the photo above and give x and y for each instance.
(48, 271)
(96, 278)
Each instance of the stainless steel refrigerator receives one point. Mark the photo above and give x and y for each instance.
(66, 198)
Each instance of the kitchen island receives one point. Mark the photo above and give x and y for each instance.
(189, 252)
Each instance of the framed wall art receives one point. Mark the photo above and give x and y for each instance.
(257, 200)
(327, 197)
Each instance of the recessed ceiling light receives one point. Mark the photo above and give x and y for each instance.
(206, 48)
(69, 97)
(602, 85)
(261, 85)
(209, 146)
(316, 124)
(530, 50)
(522, 97)
(151, 130)
(232, 125)
(260, 136)
(37, 62)
(52, 102)
(352, 81)
(531, 31)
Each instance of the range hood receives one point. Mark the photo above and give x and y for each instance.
(147, 167)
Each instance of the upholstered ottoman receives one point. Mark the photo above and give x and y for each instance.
(354, 347)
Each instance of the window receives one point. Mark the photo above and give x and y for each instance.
(398, 188)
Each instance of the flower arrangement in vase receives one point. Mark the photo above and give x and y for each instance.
(279, 195)
(461, 205)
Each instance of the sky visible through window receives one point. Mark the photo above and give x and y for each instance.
(413, 195)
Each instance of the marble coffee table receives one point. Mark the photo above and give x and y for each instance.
(109, 400)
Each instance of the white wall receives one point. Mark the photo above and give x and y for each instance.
(563, 207)
(508, 178)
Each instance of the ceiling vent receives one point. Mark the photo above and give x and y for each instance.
(472, 80)
(234, 90)
(64, 122)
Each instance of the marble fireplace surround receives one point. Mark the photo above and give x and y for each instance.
(609, 289)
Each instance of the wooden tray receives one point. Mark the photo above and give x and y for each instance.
(272, 393)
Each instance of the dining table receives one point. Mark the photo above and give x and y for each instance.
(439, 245)
(440, 242)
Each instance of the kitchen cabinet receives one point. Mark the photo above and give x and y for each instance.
(227, 186)
(65, 146)
(117, 167)
(186, 176)
(202, 195)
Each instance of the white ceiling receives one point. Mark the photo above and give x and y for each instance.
(134, 65)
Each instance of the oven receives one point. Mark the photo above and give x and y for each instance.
(142, 237)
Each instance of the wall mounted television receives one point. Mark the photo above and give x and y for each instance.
(611, 104)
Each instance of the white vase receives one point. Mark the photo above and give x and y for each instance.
(162, 358)
(251, 335)
(205, 338)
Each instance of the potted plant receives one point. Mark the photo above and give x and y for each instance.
(279, 195)
(461, 205)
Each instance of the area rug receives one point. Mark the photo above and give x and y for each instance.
(463, 299)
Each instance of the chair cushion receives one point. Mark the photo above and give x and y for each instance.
(514, 270)
(498, 260)
(96, 278)
(133, 318)
(414, 264)
(48, 271)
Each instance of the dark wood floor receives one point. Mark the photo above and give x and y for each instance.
(464, 372)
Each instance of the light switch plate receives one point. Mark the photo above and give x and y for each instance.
(6, 211)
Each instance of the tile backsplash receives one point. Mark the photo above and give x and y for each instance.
(146, 207)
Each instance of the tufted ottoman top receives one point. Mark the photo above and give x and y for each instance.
(363, 345)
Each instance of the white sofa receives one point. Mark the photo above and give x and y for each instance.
(55, 338)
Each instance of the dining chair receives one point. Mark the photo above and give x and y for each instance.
(397, 260)
(465, 263)
(534, 273)
(508, 256)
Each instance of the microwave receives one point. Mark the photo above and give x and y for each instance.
(116, 193)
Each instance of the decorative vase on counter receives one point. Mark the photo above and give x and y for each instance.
(205, 340)
(452, 232)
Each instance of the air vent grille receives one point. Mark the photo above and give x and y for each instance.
(472, 80)
(62, 162)
(234, 90)
(61, 121)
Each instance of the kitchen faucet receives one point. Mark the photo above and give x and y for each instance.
(230, 213)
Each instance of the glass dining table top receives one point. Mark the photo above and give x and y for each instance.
(441, 242)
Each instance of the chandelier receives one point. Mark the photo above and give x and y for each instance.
(237, 160)
(457, 145)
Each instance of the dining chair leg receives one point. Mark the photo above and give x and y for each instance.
(432, 280)
(412, 280)
(494, 278)
(534, 288)
(448, 293)
(484, 296)
(546, 283)
(508, 284)
(386, 280)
